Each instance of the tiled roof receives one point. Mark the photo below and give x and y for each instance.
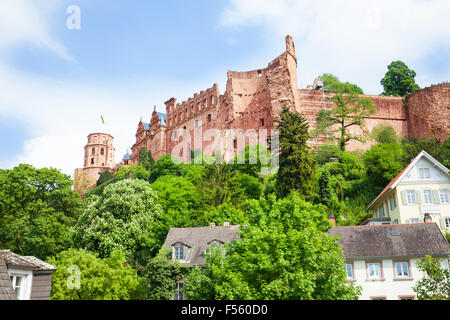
(198, 239)
(26, 262)
(400, 240)
(6, 289)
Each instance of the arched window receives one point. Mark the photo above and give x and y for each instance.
(92, 161)
(213, 100)
(102, 151)
(209, 117)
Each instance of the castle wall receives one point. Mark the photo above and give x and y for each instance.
(429, 112)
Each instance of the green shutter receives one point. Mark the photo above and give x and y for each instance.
(419, 198)
(436, 197)
(403, 193)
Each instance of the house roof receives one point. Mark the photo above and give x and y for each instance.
(25, 262)
(198, 239)
(394, 182)
(6, 288)
(391, 241)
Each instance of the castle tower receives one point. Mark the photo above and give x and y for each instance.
(98, 158)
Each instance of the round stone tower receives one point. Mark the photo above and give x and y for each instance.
(98, 158)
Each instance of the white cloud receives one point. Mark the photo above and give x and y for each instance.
(28, 21)
(354, 40)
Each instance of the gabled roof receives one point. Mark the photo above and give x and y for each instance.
(392, 241)
(198, 239)
(394, 182)
(6, 288)
(25, 262)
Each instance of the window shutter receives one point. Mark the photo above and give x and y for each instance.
(403, 193)
(419, 199)
(436, 197)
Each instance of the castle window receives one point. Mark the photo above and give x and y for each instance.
(102, 151)
(209, 117)
(259, 74)
(235, 144)
(213, 100)
(196, 123)
(262, 122)
(93, 151)
(206, 103)
(92, 161)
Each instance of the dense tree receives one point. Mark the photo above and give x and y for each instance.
(104, 177)
(384, 134)
(162, 275)
(81, 275)
(37, 208)
(436, 286)
(285, 253)
(132, 172)
(399, 80)
(348, 115)
(297, 166)
(125, 217)
(332, 84)
(383, 163)
(441, 152)
(249, 161)
(163, 167)
(146, 159)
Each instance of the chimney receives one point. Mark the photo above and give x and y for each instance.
(332, 220)
(226, 223)
(212, 224)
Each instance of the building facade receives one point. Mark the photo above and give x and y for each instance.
(420, 193)
(382, 259)
(252, 101)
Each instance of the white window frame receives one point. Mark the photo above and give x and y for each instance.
(179, 294)
(392, 203)
(352, 276)
(377, 271)
(428, 199)
(447, 222)
(25, 286)
(443, 196)
(425, 173)
(411, 200)
(402, 265)
(176, 252)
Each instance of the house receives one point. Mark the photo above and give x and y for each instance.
(382, 259)
(30, 277)
(188, 245)
(419, 193)
(6, 288)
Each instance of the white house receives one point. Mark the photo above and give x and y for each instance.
(382, 259)
(420, 193)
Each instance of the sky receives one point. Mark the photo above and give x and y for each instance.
(66, 63)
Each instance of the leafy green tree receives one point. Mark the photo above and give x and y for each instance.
(104, 177)
(82, 275)
(146, 159)
(436, 286)
(383, 163)
(285, 253)
(297, 166)
(441, 152)
(325, 153)
(249, 161)
(332, 84)
(338, 124)
(132, 172)
(162, 275)
(225, 212)
(164, 167)
(37, 209)
(125, 217)
(399, 80)
(384, 134)
(252, 186)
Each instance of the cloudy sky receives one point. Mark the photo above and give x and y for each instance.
(131, 55)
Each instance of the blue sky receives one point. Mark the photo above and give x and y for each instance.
(131, 55)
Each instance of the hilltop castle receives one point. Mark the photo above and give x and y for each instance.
(253, 100)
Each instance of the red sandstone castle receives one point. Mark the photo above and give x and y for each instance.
(253, 100)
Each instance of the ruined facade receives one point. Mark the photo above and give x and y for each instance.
(253, 100)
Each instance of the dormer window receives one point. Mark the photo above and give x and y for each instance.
(180, 252)
(424, 173)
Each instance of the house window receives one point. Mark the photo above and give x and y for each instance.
(179, 293)
(447, 223)
(411, 197)
(424, 173)
(401, 269)
(414, 220)
(349, 269)
(179, 252)
(392, 202)
(20, 286)
(382, 210)
(427, 196)
(374, 270)
(443, 195)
